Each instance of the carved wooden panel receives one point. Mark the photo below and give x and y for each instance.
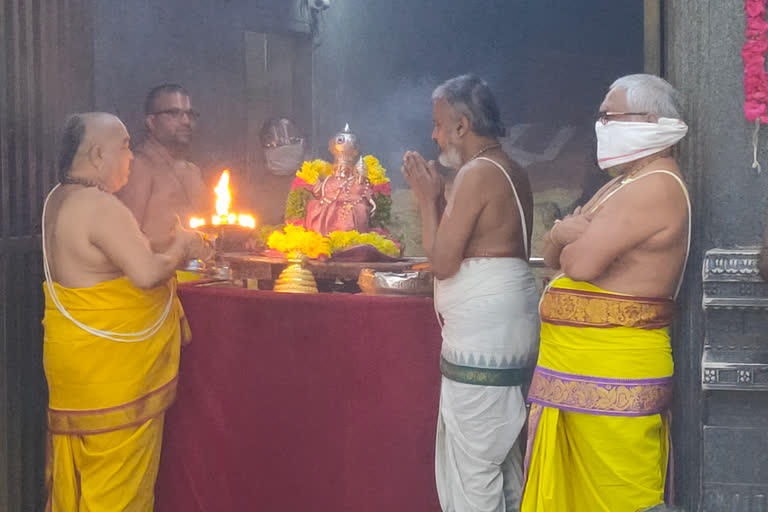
(45, 74)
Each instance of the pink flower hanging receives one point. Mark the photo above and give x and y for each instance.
(755, 8)
(753, 53)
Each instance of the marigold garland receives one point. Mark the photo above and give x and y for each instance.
(311, 172)
(296, 241)
(377, 174)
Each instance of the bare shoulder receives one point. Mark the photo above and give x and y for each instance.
(104, 207)
(190, 174)
(89, 210)
(487, 175)
(469, 176)
(660, 186)
(142, 170)
(481, 173)
(655, 194)
(141, 163)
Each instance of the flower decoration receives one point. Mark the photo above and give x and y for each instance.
(296, 204)
(377, 175)
(753, 54)
(755, 77)
(341, 240)
(311, 172)
(296, 241)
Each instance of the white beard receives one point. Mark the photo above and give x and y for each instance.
(450, 158)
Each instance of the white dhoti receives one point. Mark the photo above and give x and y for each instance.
(490, 337)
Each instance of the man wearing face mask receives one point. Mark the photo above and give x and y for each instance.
(164, 185)
(283, 155)
(599, 425)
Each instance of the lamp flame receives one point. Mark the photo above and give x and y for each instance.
(246, 220)
(196, 222)
(223, 195)
(223, 202)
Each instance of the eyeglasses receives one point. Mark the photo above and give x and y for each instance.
(604, 117)
(177, 113)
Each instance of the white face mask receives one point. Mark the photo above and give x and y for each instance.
(285, 160)
(619, 142)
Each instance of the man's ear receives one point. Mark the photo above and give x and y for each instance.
(96, 156)
(149, 122)
(463, 127)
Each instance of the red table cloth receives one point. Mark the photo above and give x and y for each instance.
(286, 402)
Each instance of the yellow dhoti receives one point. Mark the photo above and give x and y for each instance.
(107, 398)
(598, 436)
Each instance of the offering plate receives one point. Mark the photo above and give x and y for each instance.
(414, 283)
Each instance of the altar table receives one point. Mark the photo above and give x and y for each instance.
(317, 403)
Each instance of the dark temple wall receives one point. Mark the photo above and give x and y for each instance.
(46, 57)
(65, 56)
(548, 62)
(703, 58)
(721, 348)
(200, 44)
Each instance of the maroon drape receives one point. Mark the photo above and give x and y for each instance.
(287, 402)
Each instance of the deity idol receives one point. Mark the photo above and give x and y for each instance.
(343, 201)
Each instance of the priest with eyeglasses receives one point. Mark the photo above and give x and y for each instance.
(163, 184)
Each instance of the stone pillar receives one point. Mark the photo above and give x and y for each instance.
(721, 420)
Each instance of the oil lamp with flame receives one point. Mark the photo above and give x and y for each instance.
(223, 215)
(224, 225)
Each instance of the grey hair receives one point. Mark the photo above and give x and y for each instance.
(650, 93)
(470, 96)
